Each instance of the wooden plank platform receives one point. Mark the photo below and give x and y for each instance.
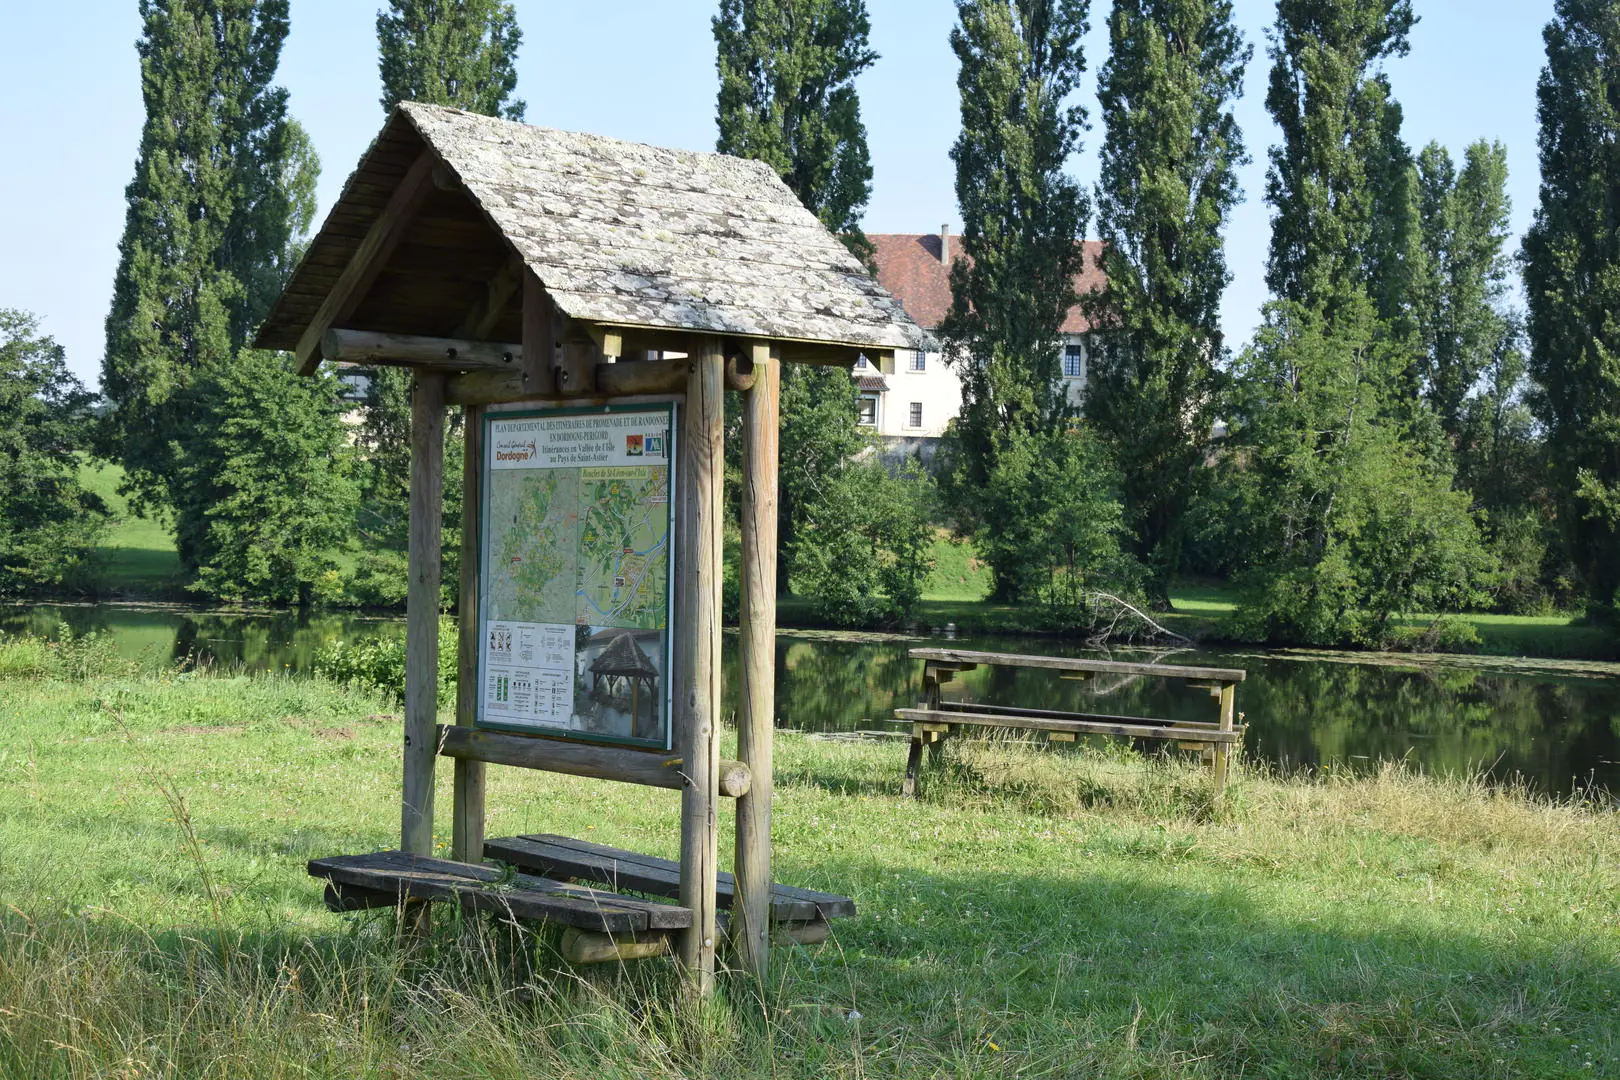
(373, 880)
(564, 857)
(1135, 729)
(1064, 663)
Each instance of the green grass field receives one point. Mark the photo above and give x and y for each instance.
(1038, 913)
(137, 555)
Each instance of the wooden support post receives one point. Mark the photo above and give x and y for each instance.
(467, 826)
(1223, 750)
(697, 643)
(422, 612)
(539, 339)
(756, 721)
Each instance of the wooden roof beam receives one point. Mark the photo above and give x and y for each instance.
(410, 350)
(486, 313)
(368, 260)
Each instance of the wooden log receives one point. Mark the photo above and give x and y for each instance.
(697, 646)
(585, 759)
(467, 824)
(756, 721)
(1063, 663)
(1079, 727)
(624, 379)
(368, 259)
(413, 350)
(422, 612)
(810, 932)
(538, 377)
(581, 860)
(586, 947)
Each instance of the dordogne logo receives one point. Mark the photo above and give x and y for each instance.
(516, 450)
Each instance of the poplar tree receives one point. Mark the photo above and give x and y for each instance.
(1346, 514)
(787, 97)
(1342, 210)
(223, 187)
(1572, 284)
(1022, 221)
(1168, 186)
(1461, 288)
(461, 54)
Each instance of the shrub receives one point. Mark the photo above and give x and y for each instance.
(66, 656)
(379, 663)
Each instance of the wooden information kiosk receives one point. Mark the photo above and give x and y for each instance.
(587, 303)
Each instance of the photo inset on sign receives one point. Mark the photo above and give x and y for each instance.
(575, 573)
(618, 681)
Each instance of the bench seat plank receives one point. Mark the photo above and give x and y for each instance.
(404, 876)
(1136, 728)
(1055, 714)
(563, 856)
(1064, 663)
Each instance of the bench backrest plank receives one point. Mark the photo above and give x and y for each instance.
(1064, 663)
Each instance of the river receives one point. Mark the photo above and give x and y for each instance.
(1555, 725)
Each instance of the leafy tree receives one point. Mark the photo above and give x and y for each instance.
(863, 547)
(819, 436)
(1060, 485)
(1346, 523)
(224, 184)
(1572, 282)
(461, 53)
(49, 524)
(1021, 62)
(1168, 187)
(787, 98)
(265, 493)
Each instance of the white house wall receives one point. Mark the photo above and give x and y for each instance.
(939, 391)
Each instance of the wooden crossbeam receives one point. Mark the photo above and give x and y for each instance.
(583, 759)
(368, 259)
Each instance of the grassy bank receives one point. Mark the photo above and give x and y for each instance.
(1037, 913)
(137, 559)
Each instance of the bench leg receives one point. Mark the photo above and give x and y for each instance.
(913, 759)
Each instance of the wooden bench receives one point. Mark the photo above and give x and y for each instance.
(935, 718)
(600, 924)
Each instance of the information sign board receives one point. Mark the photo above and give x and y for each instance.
(574, 575)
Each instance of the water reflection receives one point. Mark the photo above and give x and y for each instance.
(1559, 732)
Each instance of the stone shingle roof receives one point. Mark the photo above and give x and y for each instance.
(623, 234)
(909, 266)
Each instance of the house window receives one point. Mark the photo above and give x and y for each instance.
(1074, 361)
(860, 363)
(916, 414)
(866, 410)
(919, 360)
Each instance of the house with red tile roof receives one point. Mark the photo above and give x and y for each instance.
(924, 393)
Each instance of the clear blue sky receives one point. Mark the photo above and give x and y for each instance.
(70, 116)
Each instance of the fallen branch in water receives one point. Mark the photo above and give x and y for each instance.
(1122, 610)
